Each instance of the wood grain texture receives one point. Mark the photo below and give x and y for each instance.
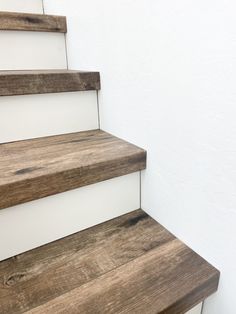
(32, 22)
(47, 81)
(130, 264)
(36, 168)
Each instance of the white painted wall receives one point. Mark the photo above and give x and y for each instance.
(168, 84)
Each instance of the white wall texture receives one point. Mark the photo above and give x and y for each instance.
(168, 73)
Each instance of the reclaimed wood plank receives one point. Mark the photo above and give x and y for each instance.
(32, 22)
(171, 280)
(49, 271)
(47, 81)
(36, 168)
(130, 264)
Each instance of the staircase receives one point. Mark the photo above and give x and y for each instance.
(72, 236)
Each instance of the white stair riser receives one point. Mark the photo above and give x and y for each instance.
(32, 50)
(30, 116)
(29, 6)
(196, 310)
(33, 224)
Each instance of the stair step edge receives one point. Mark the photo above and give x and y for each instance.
(47, 81)
(14, 21)
(127, 264)
(36, 168)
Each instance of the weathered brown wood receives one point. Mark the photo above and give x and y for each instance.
(168, 280)
(47, 272)
(130, 264)
(41, 167)
(32, 22)
(47, 81)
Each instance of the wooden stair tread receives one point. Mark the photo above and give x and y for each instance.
(36, 168)
(130, 264)
(47, 81)
(32, 22)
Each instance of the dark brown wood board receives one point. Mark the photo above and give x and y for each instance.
(47, 81)
(130, 264)
(36, 168)
(32, 22)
